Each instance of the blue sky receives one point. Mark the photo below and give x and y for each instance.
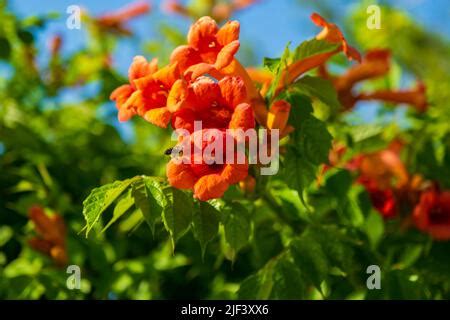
(266, 27)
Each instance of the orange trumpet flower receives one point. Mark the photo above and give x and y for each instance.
(375, 63)
(51, 235)
(207, 179)
(146, 95)
(330, 33)
(415, 97)
(333, 34)
(208, 46)
(220, 105)
(277, 117)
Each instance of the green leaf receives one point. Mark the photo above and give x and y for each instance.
(318, 88)
(259, 285)
(315, 140)
(237, 226)
(374, 228)
(310, 257)
(177, 212)
(409, 256)
(25, 36)
(271, 63)
(313, 47)
(338, 184)
(122, 206)
(149, 200)
(298, 172)
(353, 206)
(277, 66)
(5, 48)
(304, 50)
(287, 281)
(206, 224)
(337, 248)
(100, 199)
(266, 242)
(309, 146)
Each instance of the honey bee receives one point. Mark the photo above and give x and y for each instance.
(174, 150)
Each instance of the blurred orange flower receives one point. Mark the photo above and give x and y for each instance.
(415, 97)
(432, 214)
(376, 63)
(114, 21)
(384, 200)
(248, 184)
(384, 168)
(51, 235)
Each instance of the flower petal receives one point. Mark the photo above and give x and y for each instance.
(199, 69)
(278, 115)
(243, 117)
(233, 173)
(201, 32)
(226, 54)
(183, 119)
(140, 68)
(210, 187)
(233, 91)
(158, 116)
(180, 175)
(168, 75)
(177, 96)
(229, 32)
(185, 56)
(206, 92)
(121, 94)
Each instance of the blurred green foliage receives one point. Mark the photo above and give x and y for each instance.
(273, 244)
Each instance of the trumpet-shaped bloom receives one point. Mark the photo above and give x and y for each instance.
(432, 214)
(208, 46)
(277, 117)
(415, 97)
(210, 177)
(220, 105)
(146, 94)
(375, 63)
(333, 34)
(51, 235)
(115, 21)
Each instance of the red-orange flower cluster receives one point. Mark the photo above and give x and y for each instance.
(209, 47)
(395, 192)
(208, 178)
(181, 94)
